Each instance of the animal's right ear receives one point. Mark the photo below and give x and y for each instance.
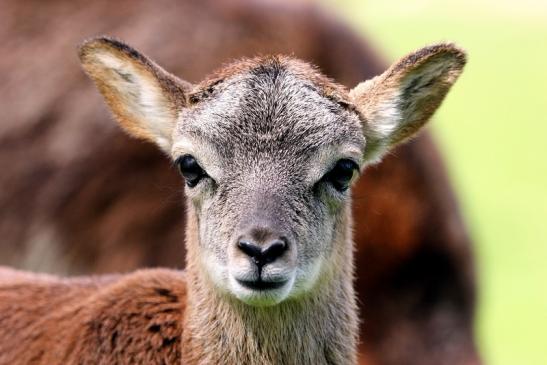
(144, 98)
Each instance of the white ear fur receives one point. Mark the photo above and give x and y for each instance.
(396, 104)
(143, 97)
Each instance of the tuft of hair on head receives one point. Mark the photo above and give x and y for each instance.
(397, 103)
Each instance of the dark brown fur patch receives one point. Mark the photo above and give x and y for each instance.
(326, 86)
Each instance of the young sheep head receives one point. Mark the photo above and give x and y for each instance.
(268, 148)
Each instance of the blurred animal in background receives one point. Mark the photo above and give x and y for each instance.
(77, 196)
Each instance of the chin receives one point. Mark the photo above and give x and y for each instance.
(261, 294)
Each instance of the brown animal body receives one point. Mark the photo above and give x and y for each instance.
(268, 148)
(78, 193)
(132, 319)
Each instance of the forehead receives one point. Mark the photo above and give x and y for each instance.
(272, 107)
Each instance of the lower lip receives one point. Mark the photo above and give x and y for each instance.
(262, 285)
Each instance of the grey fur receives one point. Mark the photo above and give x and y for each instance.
(266, 130)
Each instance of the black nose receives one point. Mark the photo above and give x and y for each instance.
(262, 255)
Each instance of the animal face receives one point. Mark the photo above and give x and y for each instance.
(269, 160)
(269, 148)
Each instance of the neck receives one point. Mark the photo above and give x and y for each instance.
(318, 328)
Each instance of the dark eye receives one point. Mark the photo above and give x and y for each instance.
(341, 174)
(190, 170)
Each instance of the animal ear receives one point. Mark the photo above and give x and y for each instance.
(396, 104)
(143, 97)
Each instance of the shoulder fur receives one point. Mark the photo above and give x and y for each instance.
(98, 320)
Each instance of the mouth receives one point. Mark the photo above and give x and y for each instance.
(260, 291)
(261, 285)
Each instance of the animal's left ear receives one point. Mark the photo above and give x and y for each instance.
(396, 104)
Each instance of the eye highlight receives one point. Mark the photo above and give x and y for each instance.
(341, 174)
(190, 170)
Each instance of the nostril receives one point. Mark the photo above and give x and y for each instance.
(274, 250)
(250, 249)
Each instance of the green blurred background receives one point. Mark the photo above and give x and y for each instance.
(493, 131)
